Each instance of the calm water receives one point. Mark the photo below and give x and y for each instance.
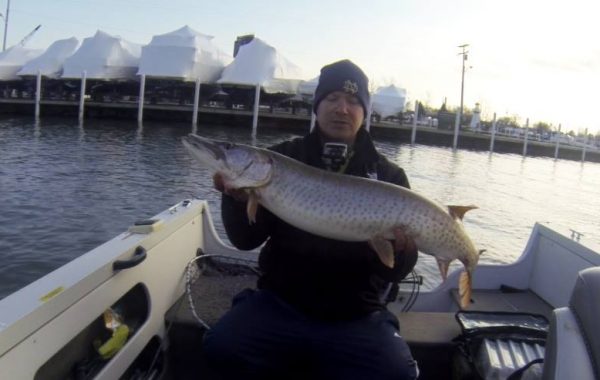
(66, 188)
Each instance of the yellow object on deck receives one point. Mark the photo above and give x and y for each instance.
(115, 343)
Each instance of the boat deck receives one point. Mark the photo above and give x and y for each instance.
(431, 336)
(507, 300)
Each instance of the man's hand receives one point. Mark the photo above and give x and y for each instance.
(237, 194)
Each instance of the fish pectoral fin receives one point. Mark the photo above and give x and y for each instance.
(384, 250)
(458, 212)
(252, 207)
(400, 240)
(443, 266)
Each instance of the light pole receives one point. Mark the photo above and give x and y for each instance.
(465, 56)
(458, 120)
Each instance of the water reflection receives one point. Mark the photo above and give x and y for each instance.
(81, 130)
(139, 133)
(77, 186)
(37, 129)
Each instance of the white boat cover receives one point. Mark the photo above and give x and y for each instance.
(389, 100)
(183, 54)
(104, 57)
(51, 62)
(13, 59)
(259, 63)
(308, 87)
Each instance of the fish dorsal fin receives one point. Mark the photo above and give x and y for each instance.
(457, 212)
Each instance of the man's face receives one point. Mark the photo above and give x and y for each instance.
(340, 115)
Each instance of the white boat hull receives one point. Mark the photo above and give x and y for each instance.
(41, 321)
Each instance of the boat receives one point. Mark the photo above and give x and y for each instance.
(136, 307)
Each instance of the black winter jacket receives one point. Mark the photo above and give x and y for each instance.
(325, 279)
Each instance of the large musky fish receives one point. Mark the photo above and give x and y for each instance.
(341, 207)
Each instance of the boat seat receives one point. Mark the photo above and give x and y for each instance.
(428, 329)
(573, 345)
(430, 338)
(523, 301)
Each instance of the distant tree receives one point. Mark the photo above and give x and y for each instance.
(443, 108)
(542, 127)
(509, 121)
(446, 117)
(421, 110)
(425, 109)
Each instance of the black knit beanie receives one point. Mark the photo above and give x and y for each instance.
(342, 76)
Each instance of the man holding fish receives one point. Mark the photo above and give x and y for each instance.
(318, 307)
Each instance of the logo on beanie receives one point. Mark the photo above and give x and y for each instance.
(350, 87)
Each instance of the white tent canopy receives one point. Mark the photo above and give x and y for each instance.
(389, 100)
(50, 63)
(104, 57)
(259, 63)
(13, 59)
(185, 54)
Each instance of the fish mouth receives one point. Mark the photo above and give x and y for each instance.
(204, 149)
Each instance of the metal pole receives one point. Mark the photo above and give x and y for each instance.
(255, 112)
(493, 134)
(526, 137)
(456, 123)
(141, 98)
(557, 143)
(585, 142)
(458, 120)
(38, 94)
(368, 117)
(6, 24)
(413, 135)
(464, 54)
(462, 93)
(196, 102)
(82, 94)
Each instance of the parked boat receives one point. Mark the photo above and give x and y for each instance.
(137, 306)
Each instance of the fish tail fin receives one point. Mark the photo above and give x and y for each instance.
(464, 289)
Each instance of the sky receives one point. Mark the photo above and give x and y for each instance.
(531, 59)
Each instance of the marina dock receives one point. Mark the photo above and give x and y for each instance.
(297, 120)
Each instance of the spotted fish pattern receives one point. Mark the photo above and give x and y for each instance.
(340, 206)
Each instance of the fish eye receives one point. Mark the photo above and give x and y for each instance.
(229, 145)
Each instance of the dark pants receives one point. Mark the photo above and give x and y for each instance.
(262, 337)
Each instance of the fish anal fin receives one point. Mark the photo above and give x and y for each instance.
(252, 207)
(457, 212)
(443, 266)
(464, 289)
(384, 250)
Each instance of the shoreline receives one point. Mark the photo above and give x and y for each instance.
(296, 122)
